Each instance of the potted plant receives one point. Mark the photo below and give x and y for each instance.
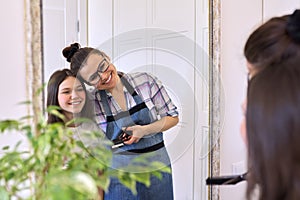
(56, 166)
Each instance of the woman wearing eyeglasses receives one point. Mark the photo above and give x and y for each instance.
(133, 110)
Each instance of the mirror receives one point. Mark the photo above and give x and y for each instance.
(179, 44)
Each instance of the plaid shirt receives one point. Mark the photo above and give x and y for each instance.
(149, 88)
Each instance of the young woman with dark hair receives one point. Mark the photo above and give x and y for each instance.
(133, 107)
(67, 92)
(275, 41)
(271, 127)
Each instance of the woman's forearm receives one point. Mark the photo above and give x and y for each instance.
(161, 125)
(139, 131)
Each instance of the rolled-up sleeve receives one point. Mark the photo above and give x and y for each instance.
(161, 99)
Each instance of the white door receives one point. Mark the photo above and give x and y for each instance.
(169, 39)
(61, 27)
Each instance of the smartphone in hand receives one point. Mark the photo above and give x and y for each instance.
(119, 142)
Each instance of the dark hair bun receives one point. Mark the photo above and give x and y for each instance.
(69, 51)
(293, 26)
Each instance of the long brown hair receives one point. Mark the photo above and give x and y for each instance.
(52, 96)
(77, 56)
(273, 132)
(275, 41)
(273, 109)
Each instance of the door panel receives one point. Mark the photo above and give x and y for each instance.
(59, 30)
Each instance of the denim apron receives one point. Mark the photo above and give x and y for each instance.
(160, 189)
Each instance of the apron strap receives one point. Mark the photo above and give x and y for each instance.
(127, 85)
(144, 150)
(130, 89)
(105, 104)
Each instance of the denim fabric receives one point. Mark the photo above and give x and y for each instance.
(158, 190)
(139, 114)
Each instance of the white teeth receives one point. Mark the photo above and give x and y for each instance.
(108, 79)
(75, 102)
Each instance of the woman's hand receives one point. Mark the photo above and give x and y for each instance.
(139, 131)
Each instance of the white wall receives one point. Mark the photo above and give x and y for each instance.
(12, 50)
(238, 20)
(235, 27)
(12, 76)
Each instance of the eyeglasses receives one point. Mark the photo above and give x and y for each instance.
(102, 68)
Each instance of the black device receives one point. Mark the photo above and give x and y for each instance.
(226, 180)
(119, 141)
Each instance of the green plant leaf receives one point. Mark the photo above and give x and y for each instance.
(141, 177)
(126, 181)
(68, 183)
(9, 125)
(54, 110)
(57, 165)
(3, 194)
(17, 145)
(27, 117)
(78, 121)
(40, 90)
(50, 108)
(25, 102)
(5, 148)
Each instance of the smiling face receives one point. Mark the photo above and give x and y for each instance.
(98, 66)
(71, 96)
